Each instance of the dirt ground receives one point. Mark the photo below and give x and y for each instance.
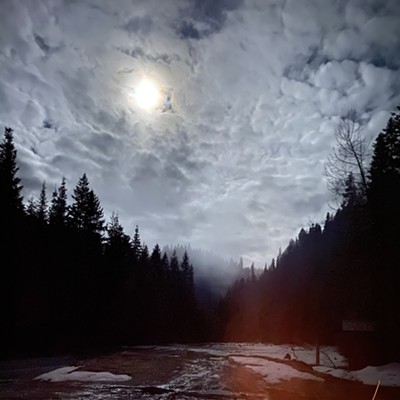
(179, 373)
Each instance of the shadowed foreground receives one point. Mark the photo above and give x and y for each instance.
(177, 372)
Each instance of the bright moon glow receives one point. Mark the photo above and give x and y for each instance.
(147, 95)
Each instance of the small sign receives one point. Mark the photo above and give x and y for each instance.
(354, 325)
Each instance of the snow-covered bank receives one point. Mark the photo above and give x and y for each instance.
(251, 355)
(329, 355)
(274, 372)
(71, 374)
(388, 375)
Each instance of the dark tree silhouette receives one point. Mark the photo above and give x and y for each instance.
(10, 188)
(58, 212)
(42, 209)
(187, 274)
(83, 290)
(384, 195)
(31, 208)
(85, 212)
(136, 245)
(174, 268)
(156, 271)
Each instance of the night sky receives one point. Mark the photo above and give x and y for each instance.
(231, 159)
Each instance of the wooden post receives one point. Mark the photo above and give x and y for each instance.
(376, 390)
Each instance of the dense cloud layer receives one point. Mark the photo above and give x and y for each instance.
(256, 89)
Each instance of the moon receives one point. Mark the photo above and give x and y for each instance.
(148, 95)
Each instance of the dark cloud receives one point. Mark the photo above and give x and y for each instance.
(48, 124)
(139, 25)
(205, 17)
(188, 30)
(42, 44)
(214, 11)
(138, 52)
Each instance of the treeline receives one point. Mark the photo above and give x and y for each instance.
(69, 280)
(214, 274)
(347, 269)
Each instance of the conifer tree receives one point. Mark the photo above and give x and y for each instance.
(156, 266)
(144, 259)
(384, 197)
(384, 187)
(187, 273)
(136, 245)
(42, 212)
(174, 267)
(86, 213)
(165, 265)
(252, 273)
(114, 229)
(118, 243)
(10, 188)
(350, 192)
(31, 208)
(59, 209)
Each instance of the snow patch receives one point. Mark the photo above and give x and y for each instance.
(329, 355)
(388, 374)
(274, 372)
(71, 374)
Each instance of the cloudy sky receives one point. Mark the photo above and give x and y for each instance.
(256, 88)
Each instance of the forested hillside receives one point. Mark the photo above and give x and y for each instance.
(347, 269)
(70, 280)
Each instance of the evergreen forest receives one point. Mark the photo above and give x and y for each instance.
(71, 281)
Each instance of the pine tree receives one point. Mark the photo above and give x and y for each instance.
(187, 273)
(252, 273)
(117, 242)
(59, 209)
(279, 258)
(114, 229)
(10, 198)
(384, 198)
(86, 213)
(42, 212)
(165, 265)
(156, 254)
(174, 267)
(144, 258)
(350, 192)
(384, 187)
(31, 208)
(136, 245)
(156, 266)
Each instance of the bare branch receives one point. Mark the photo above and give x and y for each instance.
(348, 157)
